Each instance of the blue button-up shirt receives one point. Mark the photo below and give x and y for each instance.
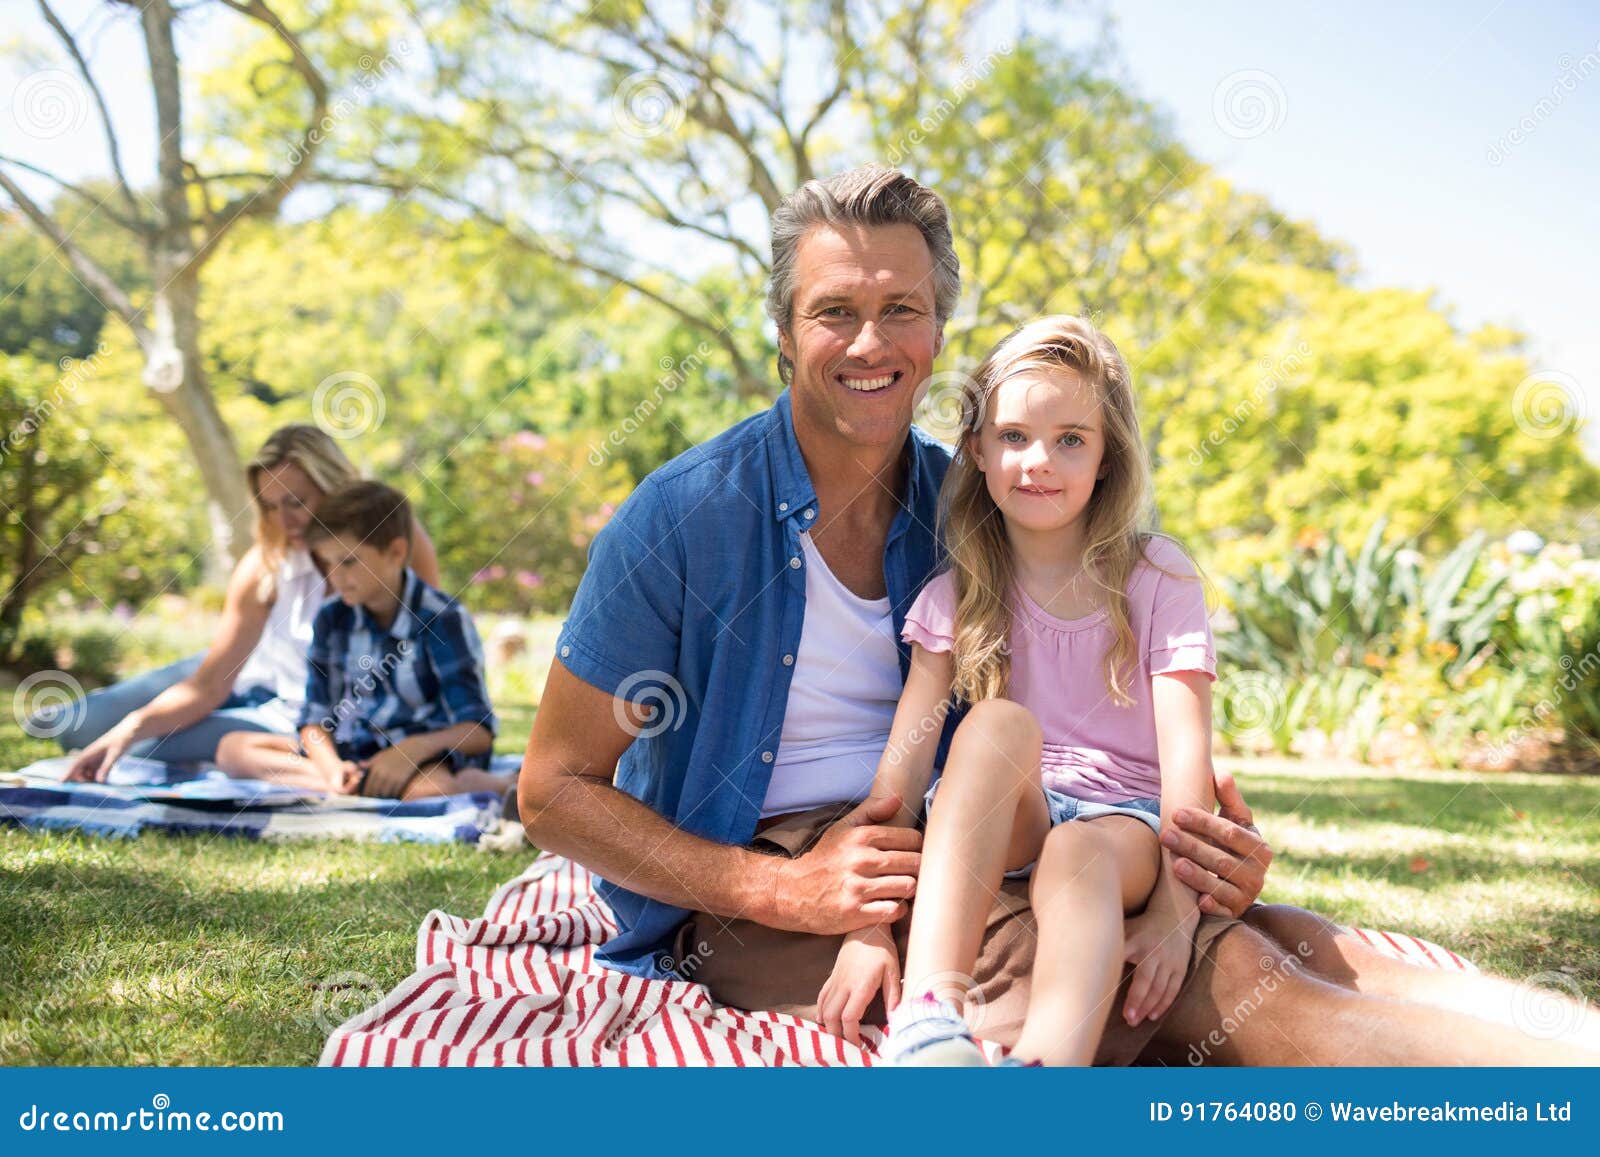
(692, 603)
(370, 687)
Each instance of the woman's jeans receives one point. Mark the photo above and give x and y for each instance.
(99, 711)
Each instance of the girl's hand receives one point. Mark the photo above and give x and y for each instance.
(1158, 947)
(867, 962)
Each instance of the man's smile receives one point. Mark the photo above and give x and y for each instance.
(868, 382)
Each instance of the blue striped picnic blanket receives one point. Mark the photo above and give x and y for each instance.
(148, 795)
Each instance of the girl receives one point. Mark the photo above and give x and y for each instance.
(1081, 642)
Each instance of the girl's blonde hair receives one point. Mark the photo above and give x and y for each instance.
(1118, 517)
(315, 452)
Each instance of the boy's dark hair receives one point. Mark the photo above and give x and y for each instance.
(369, 512)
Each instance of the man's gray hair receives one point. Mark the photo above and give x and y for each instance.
(869, 195)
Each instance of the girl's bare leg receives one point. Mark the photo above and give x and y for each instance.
(275, 758)
(988, 817)
(1090, 874)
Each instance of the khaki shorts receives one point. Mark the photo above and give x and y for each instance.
(750, 966)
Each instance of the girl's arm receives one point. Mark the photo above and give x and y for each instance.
(906, 766)
(1183, 740)
(1182, 703)
(1160, 941)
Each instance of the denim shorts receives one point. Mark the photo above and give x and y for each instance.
(1066, 808)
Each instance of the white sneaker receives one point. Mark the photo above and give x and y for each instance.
(928, 1032)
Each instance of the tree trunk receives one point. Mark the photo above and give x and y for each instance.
(176, 373)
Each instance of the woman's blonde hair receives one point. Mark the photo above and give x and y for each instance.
(315, 452)
(1117, 519)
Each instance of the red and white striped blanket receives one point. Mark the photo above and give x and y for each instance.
(520, 986)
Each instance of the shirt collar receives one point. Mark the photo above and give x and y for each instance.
(792, 490)
(405, 619)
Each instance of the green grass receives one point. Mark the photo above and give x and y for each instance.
(170, 950)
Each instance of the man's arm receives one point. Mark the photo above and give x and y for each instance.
(858, 874)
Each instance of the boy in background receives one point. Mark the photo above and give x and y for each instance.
(396, 703)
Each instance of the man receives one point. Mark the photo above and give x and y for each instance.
(728, 672)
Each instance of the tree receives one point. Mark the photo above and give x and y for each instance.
(177, 229)
(55, 503)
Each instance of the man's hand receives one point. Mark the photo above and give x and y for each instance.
(1222, 857)
(388, 772)
(859, 873)
(94, 763)
(868, 962)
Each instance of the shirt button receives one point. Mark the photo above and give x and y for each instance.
(810, 513)
(565, 651)
(783, 506)
(766, 757)
(794, 563)
(788, 660)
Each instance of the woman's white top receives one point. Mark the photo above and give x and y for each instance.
(278, 662)
(842, 696)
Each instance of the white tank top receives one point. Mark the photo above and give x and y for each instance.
(842, 697)
(279, 661)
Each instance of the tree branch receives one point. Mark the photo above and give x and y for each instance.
(265, 200)
(141, 227)
(96, 279)
(71, 45)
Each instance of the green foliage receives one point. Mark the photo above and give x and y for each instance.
(57, 503)
(1326, 608)
(548, 500)
(46, 311)
(1554, 636)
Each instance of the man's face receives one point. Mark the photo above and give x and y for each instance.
(863, 336)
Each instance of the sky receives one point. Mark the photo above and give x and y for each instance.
(1454, 147)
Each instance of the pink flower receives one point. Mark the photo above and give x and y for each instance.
(528, 440)
(534, 478)
(607, 509)
(530, 580)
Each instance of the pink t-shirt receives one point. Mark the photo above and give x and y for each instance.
(1093, 749)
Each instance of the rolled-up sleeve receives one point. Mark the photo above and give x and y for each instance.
(622, 634)
(1180, 634)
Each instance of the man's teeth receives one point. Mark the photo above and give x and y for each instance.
(867, 385)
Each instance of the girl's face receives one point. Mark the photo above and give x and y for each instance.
(289, 498)
(1041, 448)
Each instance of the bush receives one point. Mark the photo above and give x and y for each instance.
(514, 532)
(1482, 658)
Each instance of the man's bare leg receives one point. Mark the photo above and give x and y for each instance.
(1251, 1003)
(1337, 955)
